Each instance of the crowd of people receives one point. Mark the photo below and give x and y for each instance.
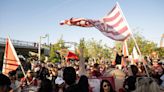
(66, 77)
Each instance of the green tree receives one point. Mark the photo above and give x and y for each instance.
(107, 52)
(42, 58)
(83, 45)
(54, 50)
(160, 52)
(95, 49)
(145, 46)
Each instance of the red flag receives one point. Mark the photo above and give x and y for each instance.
(71, 55)
(11, 60)
(113, 25)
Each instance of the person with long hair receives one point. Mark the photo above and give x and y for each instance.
(106, 86)
(69, 76)
(83, 84)
(129, 82)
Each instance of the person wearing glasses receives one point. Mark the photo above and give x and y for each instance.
(106, 86)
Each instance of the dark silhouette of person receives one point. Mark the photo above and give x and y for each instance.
(45, 86)
(129, 83)
(83, 84)
(118, 58)
(4, 83)
(43, 72)
(69, 75)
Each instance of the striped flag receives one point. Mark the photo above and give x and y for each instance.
(116, 26)
(11, 60)
(82, 22)
(113, 25)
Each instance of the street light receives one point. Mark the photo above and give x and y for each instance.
(39, 48)
(47, 35)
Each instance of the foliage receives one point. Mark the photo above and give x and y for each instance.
(83, 45)
(95, 49)
(42, 58)
(54, 51)
(146, 47)
(160, 52)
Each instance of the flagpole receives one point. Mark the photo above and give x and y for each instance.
(130, 30)
(133, 37)
(81, 62)
(23, 72)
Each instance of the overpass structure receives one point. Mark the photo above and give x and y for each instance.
(21, 47)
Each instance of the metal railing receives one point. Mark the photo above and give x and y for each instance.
(19, 43)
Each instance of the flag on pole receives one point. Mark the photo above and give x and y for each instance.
(125, 49)
(135, 55)
(11, 60)
(71, 55)
(113, 25)
(125, 52)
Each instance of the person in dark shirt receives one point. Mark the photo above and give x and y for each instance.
(43, 73)
(4, 83)
(129, 83)
(83, 84)
(45, 86)
(69, 76)
(118, 58)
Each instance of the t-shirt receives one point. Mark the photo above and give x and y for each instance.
(118, 58)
